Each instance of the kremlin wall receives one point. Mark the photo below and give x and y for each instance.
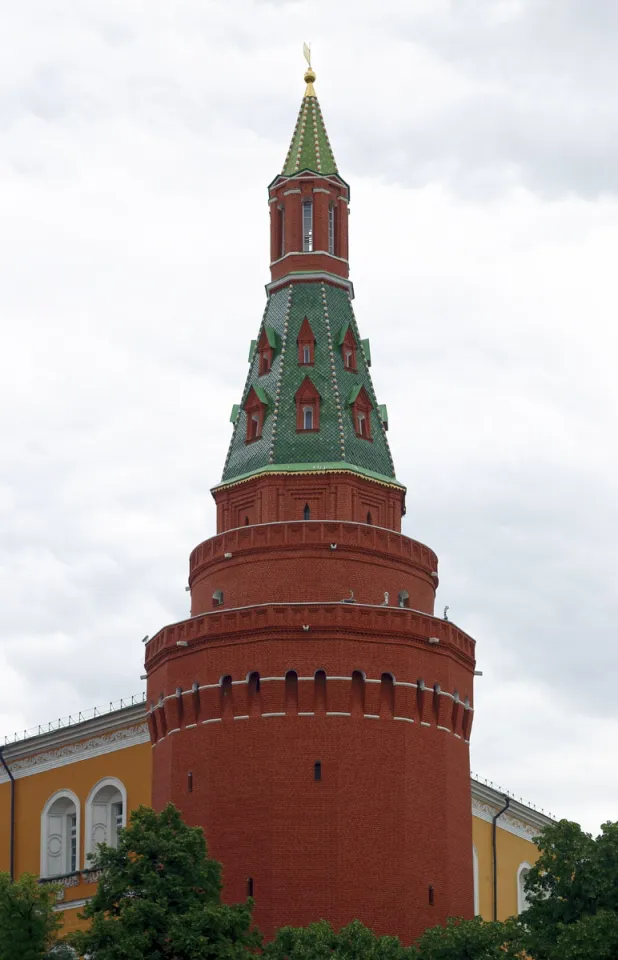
(312, 714)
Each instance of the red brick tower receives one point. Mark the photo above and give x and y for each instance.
(312, 714)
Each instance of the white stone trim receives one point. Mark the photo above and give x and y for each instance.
(100, 785)
(273, 714)
(84, 750)
(308, 253)
(337, 713)
(521, 897)
(475, 880)
(309, 713)
(520, 820)
(70, 905)
(213, 720)
(407, 719)
(59, 795)
(371, 716)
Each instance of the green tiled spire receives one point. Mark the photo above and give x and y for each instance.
(310, 148)
(328, 310)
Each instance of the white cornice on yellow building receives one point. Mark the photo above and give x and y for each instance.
(116, 730)
(519, 819)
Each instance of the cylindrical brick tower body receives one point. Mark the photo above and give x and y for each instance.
(312, 714)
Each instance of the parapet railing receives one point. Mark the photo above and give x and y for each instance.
(62, 722)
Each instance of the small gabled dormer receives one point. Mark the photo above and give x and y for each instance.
(361, 407)
(347, 343)
(307, 400)
(266, 348)
(306, 345)
(256, 407)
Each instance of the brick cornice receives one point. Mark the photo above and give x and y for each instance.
(251, 624)
(312, 535)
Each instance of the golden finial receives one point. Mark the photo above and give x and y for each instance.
(310, 72)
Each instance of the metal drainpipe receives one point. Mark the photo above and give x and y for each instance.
(495, 853)
(12, 828)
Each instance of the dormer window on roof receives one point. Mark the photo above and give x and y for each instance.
(347, 342)
(307, 400)
(306, 345)
(361, 407)
(267, 346)
(256, 407)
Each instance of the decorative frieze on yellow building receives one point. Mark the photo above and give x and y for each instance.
(75, 785)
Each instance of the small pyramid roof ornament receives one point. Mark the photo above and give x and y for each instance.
(310, 148)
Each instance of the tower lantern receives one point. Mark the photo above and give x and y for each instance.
(319, 710)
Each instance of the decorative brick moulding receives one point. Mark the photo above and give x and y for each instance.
(269, 562)
(290, 695)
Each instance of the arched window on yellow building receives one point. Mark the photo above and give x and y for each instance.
(106, 814)
(60, 831)
(522, 899)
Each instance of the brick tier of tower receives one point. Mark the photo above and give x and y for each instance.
(312, 714)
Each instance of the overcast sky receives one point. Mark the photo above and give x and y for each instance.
(480, 139)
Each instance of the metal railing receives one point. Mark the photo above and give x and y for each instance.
(509, 793)
(62, 722)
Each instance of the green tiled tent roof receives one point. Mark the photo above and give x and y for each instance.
(328, 310)
(310, 148)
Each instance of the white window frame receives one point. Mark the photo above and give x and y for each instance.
(361, 420)
(43, 863)
(307, 415)
(282, 231)
(306, 354)
(331, 229)
(307, 213)
(89, 846)
(522, 904)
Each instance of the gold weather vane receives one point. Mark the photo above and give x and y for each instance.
(310, 72)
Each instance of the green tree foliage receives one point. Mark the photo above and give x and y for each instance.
(159, 897)
(470, 940)
(28, 924)
(573, 894)
(319, 941)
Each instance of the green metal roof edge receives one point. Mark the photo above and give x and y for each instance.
(262, 395)
(340, 466)
(271, 336)
(342, 334)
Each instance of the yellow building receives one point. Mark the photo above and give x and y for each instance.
(73, 785)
